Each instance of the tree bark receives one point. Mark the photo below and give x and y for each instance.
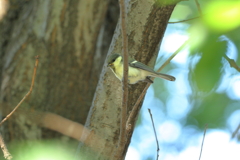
(65, 34)
(68, 35)
(146, 24)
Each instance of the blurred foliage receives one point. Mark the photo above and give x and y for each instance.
(205, 90)
(209, 110)
(207, 71)
(207, 44)
(209, 36)
(233, 35)
(41, 150)
(222, 16)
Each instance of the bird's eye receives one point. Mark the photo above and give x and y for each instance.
(113, 60)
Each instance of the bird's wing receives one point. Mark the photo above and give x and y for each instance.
(140, 65)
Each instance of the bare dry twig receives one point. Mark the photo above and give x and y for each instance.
(135, 108)
(205, 130)
(184, 20)
(232, 63)
(158, 149)
(236, 131)
(173, 55)
(199, 10)
(29, 92)
(122, 138)
(6, 154)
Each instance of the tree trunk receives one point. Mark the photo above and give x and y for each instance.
(146, 24)
(65, 34)
(71, 38)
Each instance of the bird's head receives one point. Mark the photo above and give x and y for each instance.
(111, 59)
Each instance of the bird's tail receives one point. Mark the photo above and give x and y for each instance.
(164, 76)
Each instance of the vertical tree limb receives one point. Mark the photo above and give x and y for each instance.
(146, 25)
(122, 137)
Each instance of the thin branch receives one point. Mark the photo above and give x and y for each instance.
(205, 130)
(198, 6)
(199, 10)
(6, 154)
(135, 107)
(184, 20)
(236, 131)
(173, 55)
(29, 92)
(122, 138)
(158, 149)
(232, 63)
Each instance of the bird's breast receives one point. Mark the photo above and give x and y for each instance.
(132, 72)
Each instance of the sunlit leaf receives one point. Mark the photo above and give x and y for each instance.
(222, 16)
(41, 151)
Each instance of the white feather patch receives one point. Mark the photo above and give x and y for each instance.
(134, 61)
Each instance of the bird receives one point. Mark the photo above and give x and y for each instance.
(137, 71)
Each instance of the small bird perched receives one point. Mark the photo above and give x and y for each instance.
(137, 71)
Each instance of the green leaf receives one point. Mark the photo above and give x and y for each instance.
(207, 73)
(209, 110)
(222, 16)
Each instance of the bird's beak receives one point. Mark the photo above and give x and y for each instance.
(110, 64)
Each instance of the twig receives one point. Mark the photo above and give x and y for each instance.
(173, 55)
(184, 20)
(154, 133)
(205, 130)
(122, 138)
(6, 154)
(232, 63)
(135, 107)
(29, 92)
(236, 131)
(199, 10)
(198, 6)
